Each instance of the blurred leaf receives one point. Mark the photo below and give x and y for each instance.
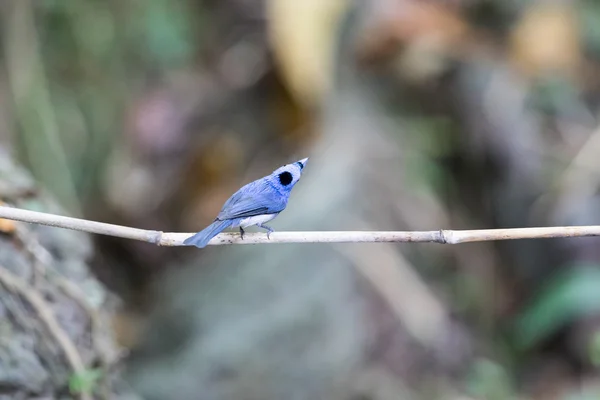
(552, 93)
(94, 28)
(489, 381)
(431, 139)
(84, 382)
(434, 134)
(167, 31)
(589, 14)
(572, 293)
(303, 35)
(39, 140)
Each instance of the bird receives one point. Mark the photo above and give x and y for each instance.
(256, 203)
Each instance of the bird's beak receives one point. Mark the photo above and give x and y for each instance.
(303, 161)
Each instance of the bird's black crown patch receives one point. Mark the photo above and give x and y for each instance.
(285, 178)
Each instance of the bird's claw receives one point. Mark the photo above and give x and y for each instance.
(242, 233)
(269, 231)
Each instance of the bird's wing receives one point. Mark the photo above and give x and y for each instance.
(256, 198)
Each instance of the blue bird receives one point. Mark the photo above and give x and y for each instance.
(254, 204)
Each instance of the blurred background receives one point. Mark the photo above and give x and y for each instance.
(416, 115)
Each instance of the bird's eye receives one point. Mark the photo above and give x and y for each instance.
(298, 163)
(285, 178)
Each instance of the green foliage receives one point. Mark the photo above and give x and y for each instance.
(85, 382)
(431, 139)
(490, 381)
(589, 14)
(571, 293)
(94, 28)
(167, 32)
(551, 93)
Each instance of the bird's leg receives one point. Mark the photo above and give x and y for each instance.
(268, 229)
(242, 232)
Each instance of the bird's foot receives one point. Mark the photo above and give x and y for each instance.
(242, 233)
(269, 230)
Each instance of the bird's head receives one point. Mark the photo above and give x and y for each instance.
(288, 175)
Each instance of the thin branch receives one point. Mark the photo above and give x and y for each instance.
(176, 239)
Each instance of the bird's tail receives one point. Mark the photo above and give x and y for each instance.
(202, 238)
